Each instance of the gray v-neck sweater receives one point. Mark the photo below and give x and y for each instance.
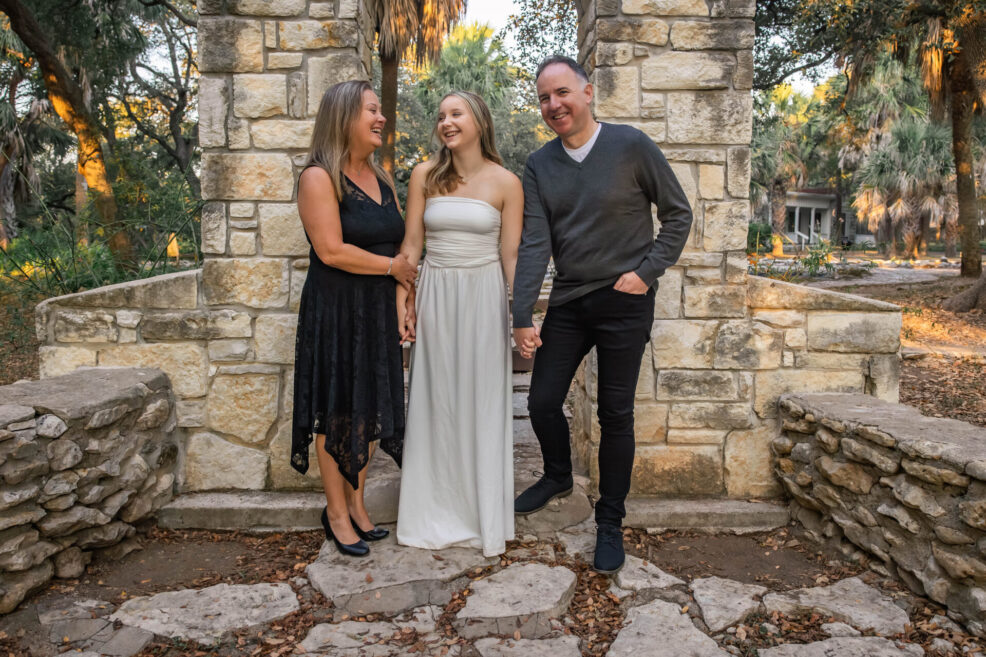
(594, 217)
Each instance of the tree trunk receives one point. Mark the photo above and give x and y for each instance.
(949, 237)
(388, 105)
(5, 235)
(68, 101)
(973, 298)
(965, 180)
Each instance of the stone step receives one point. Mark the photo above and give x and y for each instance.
(261, 511)
(713, 516)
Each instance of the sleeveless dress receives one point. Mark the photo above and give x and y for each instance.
(457, 481)
(348, 373)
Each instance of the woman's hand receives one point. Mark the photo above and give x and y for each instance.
(403, 271)
(410, 320)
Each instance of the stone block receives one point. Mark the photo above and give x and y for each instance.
(653, 106)
(197, 325)
(676, 470)
(212, 463)
(696, 436)
(213, 224)
(247, 176)
(650, 423)
(710, 183)
(687, 70)
(710, 117)
(315, 35)
(726, 225)
(282, 60)
(229, 45)
(847, 475)
(743, 75)
(213, 101)
(241, 210)
(667, 301)
(614, 54)
(666, 7)
(711, 415)
(884, 377)
(220, 350)
(244, 406)
(274, 338)
(748, 346)
(267, 7)
(771, 384)
(617, 91)
(281, 230)
(297, 95)
(697, 35)
(854, 332)
(651, 31)
(277, 134)
(747, 463)
(322, 10)
(238, 133)
(323, 72)
(55, 361)
(252, 282)
(780, 318)
(770, 293)
(260, 95)
(715, 301)
(696, 385)
(298, 278)
(242, 243)
(738, 171)
(185, 364)
(737, 267)
(734, 8)
(683, 343)
(85, 326)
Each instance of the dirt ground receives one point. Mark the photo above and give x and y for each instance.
(18, 343)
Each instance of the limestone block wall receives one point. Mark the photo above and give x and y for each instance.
(908, 490)
(82, 457)
(724, 345)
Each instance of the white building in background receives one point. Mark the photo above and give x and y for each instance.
(810, 218)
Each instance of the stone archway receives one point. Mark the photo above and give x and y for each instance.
(725, 345)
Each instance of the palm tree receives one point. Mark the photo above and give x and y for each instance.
(407, 27)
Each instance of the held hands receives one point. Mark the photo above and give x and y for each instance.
(402, 270)
(631, 284)
(527, 339)
(407, 319)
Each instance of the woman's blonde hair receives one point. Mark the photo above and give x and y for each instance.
(442, 178)
(340, 107)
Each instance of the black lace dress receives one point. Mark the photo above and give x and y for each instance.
(348, 374)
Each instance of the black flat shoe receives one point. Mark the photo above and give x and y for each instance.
(609, 557)
(539, 494)
(374, 534)
(357, 549)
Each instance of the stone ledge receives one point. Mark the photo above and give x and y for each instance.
(178, 290)
(960, 444)
(712, 516)
(768, 293)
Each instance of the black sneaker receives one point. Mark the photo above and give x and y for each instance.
(538, 495)
(609, 556)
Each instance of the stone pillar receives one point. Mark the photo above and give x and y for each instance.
(265, 65)
(681, 71)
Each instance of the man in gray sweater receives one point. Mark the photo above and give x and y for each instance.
(587, 202)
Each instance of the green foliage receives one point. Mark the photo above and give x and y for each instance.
(541, 28)
(758, 237)
(471, 60)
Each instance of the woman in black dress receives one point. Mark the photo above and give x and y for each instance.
(348, 383)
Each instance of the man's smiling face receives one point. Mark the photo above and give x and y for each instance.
(565, 100)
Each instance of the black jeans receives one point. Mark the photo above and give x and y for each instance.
(618, 325)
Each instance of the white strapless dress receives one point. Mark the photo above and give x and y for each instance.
(457, 480)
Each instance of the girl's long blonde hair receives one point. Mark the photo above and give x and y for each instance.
(340, 107)
(442, 178)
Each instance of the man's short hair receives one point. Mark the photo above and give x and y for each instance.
(567, 61)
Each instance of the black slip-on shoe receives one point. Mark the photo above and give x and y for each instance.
(540, 493)
(357, 549)
(375, 534)
(609, 557)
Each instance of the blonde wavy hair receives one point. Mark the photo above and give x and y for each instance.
(340, 107)
(442, 178)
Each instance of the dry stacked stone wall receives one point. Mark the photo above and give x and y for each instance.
(82, 458)
(908, 490)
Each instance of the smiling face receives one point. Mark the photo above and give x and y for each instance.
(565, 100)
(366, 129)
(456, 123)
